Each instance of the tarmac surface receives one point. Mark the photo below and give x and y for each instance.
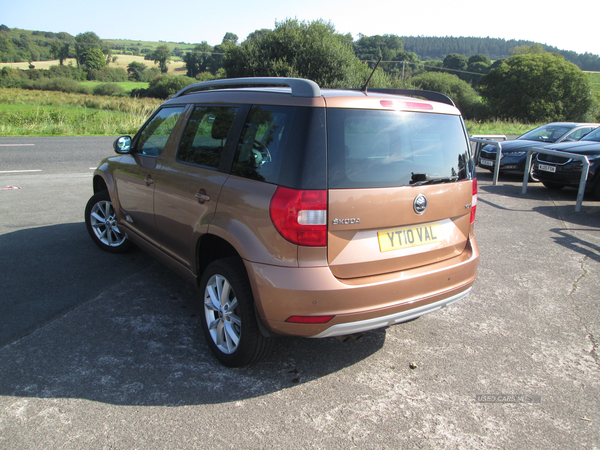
(105, 351)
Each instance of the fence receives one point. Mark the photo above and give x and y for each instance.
(582, 180)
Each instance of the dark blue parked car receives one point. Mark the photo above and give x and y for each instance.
(514, 152)
(556, 172)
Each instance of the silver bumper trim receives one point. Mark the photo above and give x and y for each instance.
(343, 329)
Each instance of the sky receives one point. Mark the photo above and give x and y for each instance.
(196, 21)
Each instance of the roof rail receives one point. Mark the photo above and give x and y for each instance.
(300, 86)
(429, 95)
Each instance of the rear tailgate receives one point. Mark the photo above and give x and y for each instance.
(377, 231)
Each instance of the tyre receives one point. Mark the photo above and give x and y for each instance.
(101, 223)
(229, 321)
(553, 186)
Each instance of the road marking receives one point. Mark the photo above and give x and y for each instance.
(20, 171)
(17, 145)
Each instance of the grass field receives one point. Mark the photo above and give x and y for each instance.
(46, 113)
(175, 68)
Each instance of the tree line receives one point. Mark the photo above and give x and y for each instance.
(531, 85)
(18, 45)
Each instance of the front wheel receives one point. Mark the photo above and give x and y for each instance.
(101, 223)
(229, 321)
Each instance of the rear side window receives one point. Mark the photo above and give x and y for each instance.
(205, 135)
(375, 149)
(283, 145)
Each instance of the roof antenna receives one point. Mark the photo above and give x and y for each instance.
(364, 89)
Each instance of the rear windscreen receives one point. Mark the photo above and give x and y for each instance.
(376, 149)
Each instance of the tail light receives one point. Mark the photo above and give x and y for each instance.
(474, 200)
(300, 216)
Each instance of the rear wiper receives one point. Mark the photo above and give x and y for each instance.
(419, 179)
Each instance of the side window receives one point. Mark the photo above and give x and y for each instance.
(205, 135)
(155, 134)
(259, 152)
(578, 134)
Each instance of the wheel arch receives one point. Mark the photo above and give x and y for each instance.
(99, 184)
(209, 248)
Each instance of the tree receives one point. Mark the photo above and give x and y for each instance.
(461, 92)
(258, 34)
(454, 61)
(215, 62)
(198, 60)
(91, 59)
(162, 57)
(230, 38)
(538, 87)
(527, 50)
(480, 58)
(84, 42)
(136, 71)
(373, 47)
(60, 50)
(300, 49)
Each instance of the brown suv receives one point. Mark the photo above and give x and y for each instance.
(298, 211)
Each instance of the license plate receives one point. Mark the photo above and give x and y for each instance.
(410, 236)
(546, 168)
(486, 162)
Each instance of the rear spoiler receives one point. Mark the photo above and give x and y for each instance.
(428, 95)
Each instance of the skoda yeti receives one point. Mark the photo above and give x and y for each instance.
(296, 210)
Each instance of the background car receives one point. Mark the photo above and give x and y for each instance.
(556, 172)
(514, 152)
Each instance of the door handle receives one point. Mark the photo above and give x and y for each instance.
(202, 196)
(149, 180)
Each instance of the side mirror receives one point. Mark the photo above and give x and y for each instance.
(122, 145)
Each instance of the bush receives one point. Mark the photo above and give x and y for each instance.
(461, 92)
(108, 89)
(65, 71)
(107, 74)
(12, 77)
(56, 84)
(164, 86)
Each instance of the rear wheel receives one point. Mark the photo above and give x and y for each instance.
(229, 320)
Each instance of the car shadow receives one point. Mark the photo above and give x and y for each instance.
(567, 239)
(511, 186)
(122, 329)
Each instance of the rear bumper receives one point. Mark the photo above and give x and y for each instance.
(357, 304)
(379, 322)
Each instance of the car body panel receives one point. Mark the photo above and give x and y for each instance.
(354, 248)
(316, 291)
